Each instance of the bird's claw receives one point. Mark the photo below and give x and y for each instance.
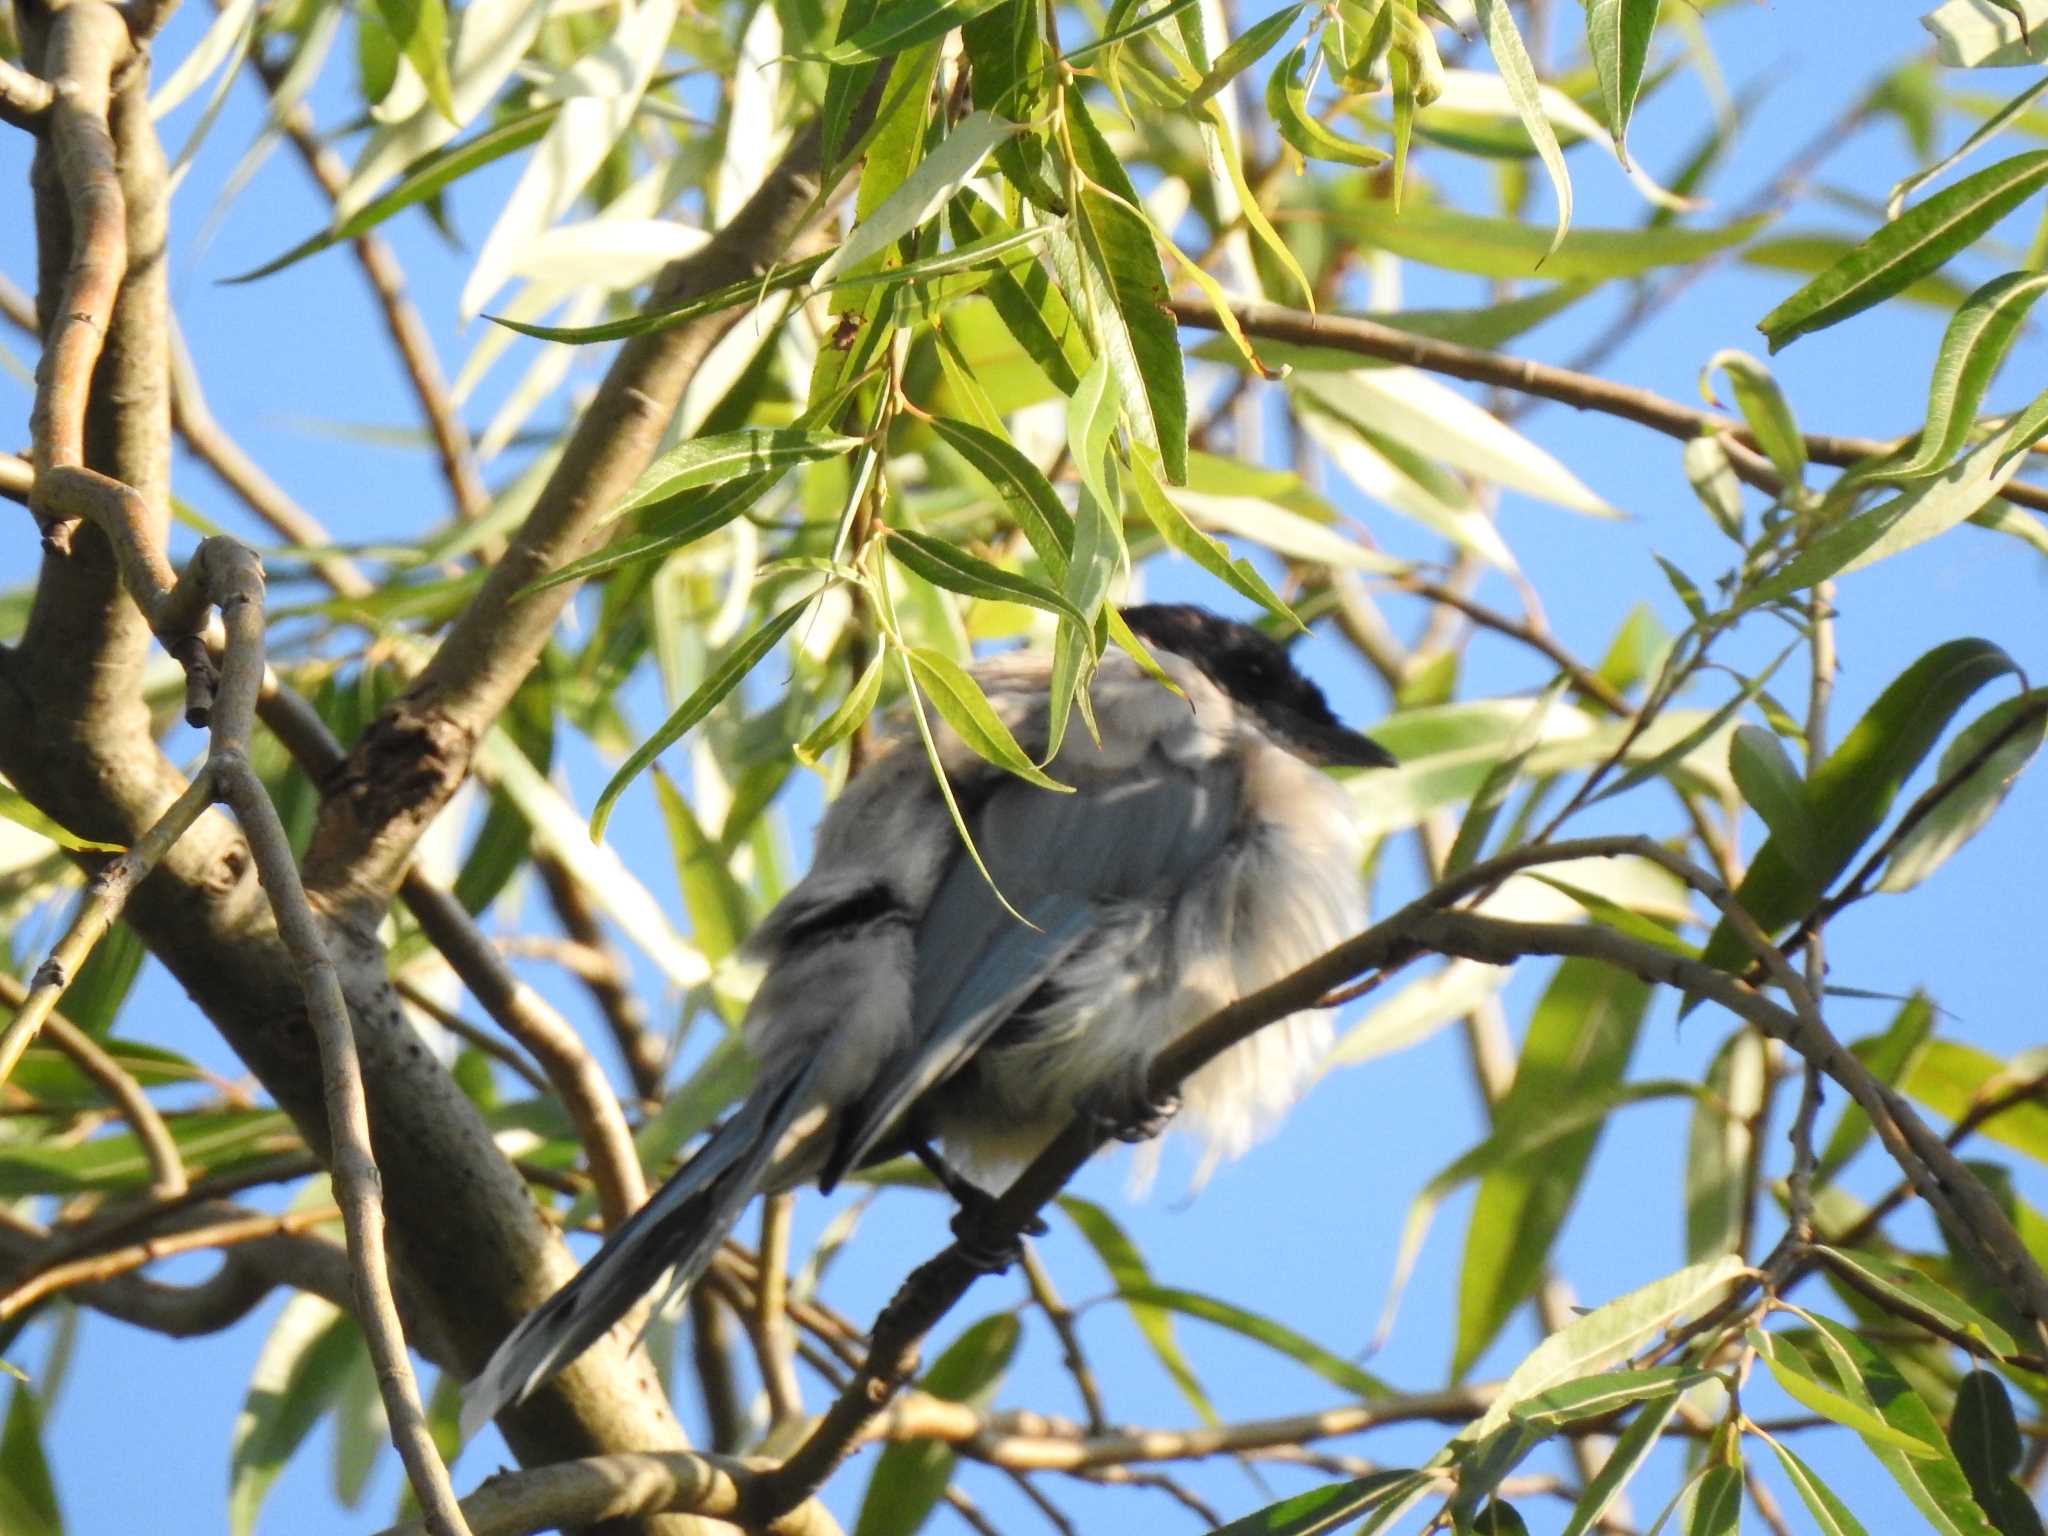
(984, 1242)
(1138, 1118)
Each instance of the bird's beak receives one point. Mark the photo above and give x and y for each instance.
(1330, 746)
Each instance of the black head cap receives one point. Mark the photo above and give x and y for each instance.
(1256, 671)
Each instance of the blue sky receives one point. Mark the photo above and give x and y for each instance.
(1305, 1227)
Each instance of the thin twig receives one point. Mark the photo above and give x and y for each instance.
(25, 99)
(1585, 391)
(105, 1266)
(1061, 1316)
(771, 1311)
(474, 1034)
(548, 1037)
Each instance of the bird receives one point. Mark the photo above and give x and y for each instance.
(907, 997)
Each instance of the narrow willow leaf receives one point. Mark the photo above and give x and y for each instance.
(15, 807)
(691, 517)
(1577, 1050)
(1511, 58)
(1976, 342)
(1632, 1448)
(1773, 789)
(1618, 36)
(1981, 135)
(1139, 335)
(1124, 34)
(1915, 1290)
(1697, 737)
(28, 1493)
(927, 189)
(902, 25)
(1712, 478)
(1326, 1509)
(1721, 1147)
(1602, 1393)
(1831, 1516)
(1274, 1335)
(1851, 792)
(1919, 513)
(1949, 1076)
(1800, 1382)
(1913, 245)
(1026, 299)
(419, 183)
(297, 1378)
(714, 688)
(1935, 1484)
(858, 704)
(1126, 1265)
(1287, 105)
(420, 28)
(1499, 780)
(1986, 1438)
(1607, 1334)
(910, 1477)
(1763, 407)
(1183, 537)
(1257, 40)
(1026, 494)
(719, 911)
(1465, 242)
(1963, 811)
(944, 565)
(962, 705)
(724, 456)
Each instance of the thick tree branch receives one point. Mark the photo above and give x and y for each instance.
(412, 759)
(573, 1494)
(25, 99)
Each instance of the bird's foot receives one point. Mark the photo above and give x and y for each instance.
(984, 1242)
(1134, 1117)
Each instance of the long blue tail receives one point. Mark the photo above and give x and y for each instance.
(671, 1238)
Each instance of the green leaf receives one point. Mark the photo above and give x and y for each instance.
(420, 28)
(1579, 1042)
(1287, 105)
(298, 1377)
(910, 1477)
(1138, 332)
(1693, 739)
(1936, 1485)
(1803, 1385)
(1464, 242)
(1910, 1288)
(724, 456)
(420, 182)
(1500, 779)
(1183, 537)
(720, 913)
(1886, 1057)
(858, 704)
(1986, 1438)
(1916, 243)
(1965, 808)
(1026, 494)
(1591, 1397)
(1949, 1077)
(1850, 793)
(1632, 1448)
(901, 26)
(1618, 36)
(1721, 1147)
(1518, 74)
(927, 189)
(737, 664)
(962, 705)
(1717, 1506)
(28, 1494)
(1274, 1335)
(666, 528)
(1972, 348)
(1322, 1510)
(1712, 478)
(945, 565)
(209, 1141)
(1126, 1266)
(1764, 408)
(1773, 789)
(1831, 1516)
(1256, 41)
(1606, 1334)
(16, 808)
